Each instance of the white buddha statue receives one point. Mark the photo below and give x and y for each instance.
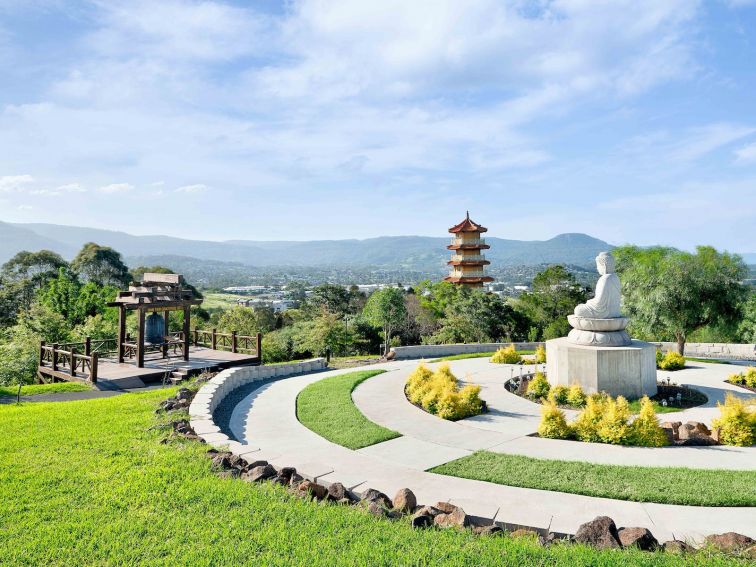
(606, 303)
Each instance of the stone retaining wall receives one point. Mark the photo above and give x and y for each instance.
(713, 350)
(210, 395)
(436, 351)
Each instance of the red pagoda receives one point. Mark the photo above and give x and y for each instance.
(467, 261)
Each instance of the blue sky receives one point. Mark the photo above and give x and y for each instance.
(633, 121)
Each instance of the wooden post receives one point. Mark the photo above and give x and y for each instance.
(187, 315)
(55, 356)
(121, 332)
(72, 360)
(233, 341)
(93, 369)
(259, 347)
(87, 345)
(42, 352)
(140, 339)
(212, 339)
(196, 334)
(166, 333)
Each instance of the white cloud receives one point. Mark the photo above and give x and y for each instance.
(746, 154)
(116, 188)
(196, 188)
(72, 188)
(9, 183)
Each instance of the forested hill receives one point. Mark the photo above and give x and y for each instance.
(404, 252)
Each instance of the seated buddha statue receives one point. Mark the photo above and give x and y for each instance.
(606, 303)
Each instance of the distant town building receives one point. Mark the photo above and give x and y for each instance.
(467, 262)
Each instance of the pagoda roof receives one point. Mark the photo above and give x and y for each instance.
(468, 225)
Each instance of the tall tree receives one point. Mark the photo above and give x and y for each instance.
(385, 309)
(101, 265)
(670, 293)
(331, 298)
(22, 276)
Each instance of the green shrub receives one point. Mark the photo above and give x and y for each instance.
(540, 355)
(645, 430)
(576, 396)
(559, 394)
(614, 427)
(417, 383)
(587, 424)
(553, 425)
(539, 386)
(438, 393)
(747, 378)
(671, 361)
(736, 422)
(506, 355)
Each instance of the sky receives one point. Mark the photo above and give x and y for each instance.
(633, 121)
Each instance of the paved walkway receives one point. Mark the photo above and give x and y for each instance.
(265, 422)
(511, 421)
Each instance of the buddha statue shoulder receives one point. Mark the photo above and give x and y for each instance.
(606, 303)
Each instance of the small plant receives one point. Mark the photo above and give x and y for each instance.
(614, 427)
(506, 355)
(747, 378)
(670, 361)
(553, 424)
(438, 393)
(540, 355)
(576, 396)
(645, 430)
(736, 422)
(559, 394)
(417, 383)
(539, 386)
(587, 424)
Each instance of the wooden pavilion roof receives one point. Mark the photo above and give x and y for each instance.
(156, 291)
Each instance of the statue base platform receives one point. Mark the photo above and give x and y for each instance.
(628, 371)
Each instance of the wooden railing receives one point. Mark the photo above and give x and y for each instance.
(172, 342)
(232, 342)
(66, 364)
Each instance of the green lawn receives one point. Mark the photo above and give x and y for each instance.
(709, 360)
(222, 300)
(641, 484)
(326, 407)
(475, 355)
(88, 482)
(36, 389)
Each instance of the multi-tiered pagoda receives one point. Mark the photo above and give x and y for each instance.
(467, 261)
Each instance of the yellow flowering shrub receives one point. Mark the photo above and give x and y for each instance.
(614, 427)
(438, 393)
(671, 361)
(506, 355)
(559, 394)
(540, 355)
(747, 378)
(576, 396)
(539, 386)
(736, 422)
(553, 424)
(645, 430)
(587, 424)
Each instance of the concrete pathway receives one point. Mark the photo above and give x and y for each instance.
(511, 421)
(265, 422)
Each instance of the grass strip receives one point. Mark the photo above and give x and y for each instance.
(693, 487)
(475, 355)
(37, 389)
(89, 483)
(326, 407)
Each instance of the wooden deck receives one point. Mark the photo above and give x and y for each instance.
(114, 376)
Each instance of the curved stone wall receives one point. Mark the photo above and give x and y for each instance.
(436, 351)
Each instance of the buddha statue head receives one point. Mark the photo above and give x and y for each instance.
(605, 263)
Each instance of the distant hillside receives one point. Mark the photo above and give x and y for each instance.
(420, 253)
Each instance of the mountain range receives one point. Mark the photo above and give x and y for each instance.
(397, 252)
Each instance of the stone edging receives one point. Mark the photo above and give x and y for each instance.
(436, 351)
(212, 394)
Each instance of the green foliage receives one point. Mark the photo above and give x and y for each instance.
(669, 293)
(576, 397)
(507, 355)
(247, 321)
(645, 430)
(539, 386)
(747, 327)
(587, 424)
(331, 298)
(540, 354)
(736, 422)
(101, 265)
(39, 389)
(670, 361)
(326, 407)
(559, 394)
(385, 308)
(438, 393)
(21, 277)
(745, 378)
(553, 424)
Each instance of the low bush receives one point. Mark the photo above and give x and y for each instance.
(507, 355)
(576, 396)
(670, 361)
(645, 430)
(559, 394)
(540, 355)
(539, 386)
(587, 424)
(553, 424)
(747, 378)
(438, 393)
(614, 427)
(736, 422)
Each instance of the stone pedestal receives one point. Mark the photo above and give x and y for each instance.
(628, 371)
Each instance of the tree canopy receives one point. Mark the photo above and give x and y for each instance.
(385, 308)
(101, 265)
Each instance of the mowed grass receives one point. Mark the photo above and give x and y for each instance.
(36, 389)
(326, 407)
(476, 355)
(88, 483)
(640, 484)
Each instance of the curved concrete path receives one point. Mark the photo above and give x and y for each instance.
(511, 420)
(265, 422)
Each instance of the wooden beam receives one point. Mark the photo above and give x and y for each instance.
(121, 332)
(186, 332)
(162, 278)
